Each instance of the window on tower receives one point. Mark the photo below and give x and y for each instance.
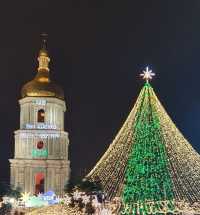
(41, 115)
(40, 145)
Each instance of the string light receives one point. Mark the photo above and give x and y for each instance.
(180, 163)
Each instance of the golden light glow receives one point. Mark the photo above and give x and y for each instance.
(184, 161)
(43, 79)
(43, 62)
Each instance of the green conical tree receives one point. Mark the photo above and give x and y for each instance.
(149, 164)
(148, 185)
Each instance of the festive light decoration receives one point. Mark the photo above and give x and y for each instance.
(40, 126)
(100, 207)
(147, 74)
(77, 195)
(86, 199)
(35, 201)
(147, 176)
(40, 102)
(50, 197)
(37, 153)
(45, 199)
(149, 164)
(42, 136)
(67, 199)
(49, 203)
(25, 196)
(56, 210)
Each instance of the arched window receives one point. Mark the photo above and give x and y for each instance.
(39, 183)
(41, 115)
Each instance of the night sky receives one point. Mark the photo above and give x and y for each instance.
(97, 50)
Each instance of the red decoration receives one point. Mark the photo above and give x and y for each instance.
(40, 145)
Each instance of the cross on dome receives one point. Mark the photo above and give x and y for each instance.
(147, 74)
(44, 40)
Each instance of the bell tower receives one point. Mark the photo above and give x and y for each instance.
(41, 145)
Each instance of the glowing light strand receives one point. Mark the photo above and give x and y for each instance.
(184, 161)
(147, 177)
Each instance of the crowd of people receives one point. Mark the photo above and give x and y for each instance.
(92, 203)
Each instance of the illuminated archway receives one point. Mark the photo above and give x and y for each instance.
(39, 182)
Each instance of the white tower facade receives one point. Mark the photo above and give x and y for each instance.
(41, 160)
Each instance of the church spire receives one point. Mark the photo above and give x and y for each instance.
(43, 57)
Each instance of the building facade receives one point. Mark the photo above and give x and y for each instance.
(41, 145)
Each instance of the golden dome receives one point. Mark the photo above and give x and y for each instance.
(41, 85)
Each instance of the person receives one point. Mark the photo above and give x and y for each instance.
(99, 197)
(89, 209)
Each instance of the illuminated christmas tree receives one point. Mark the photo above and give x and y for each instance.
(150, 165)
(147, 178)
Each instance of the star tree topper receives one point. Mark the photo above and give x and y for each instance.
(147, 74)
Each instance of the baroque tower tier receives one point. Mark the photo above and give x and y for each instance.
(41, 145)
